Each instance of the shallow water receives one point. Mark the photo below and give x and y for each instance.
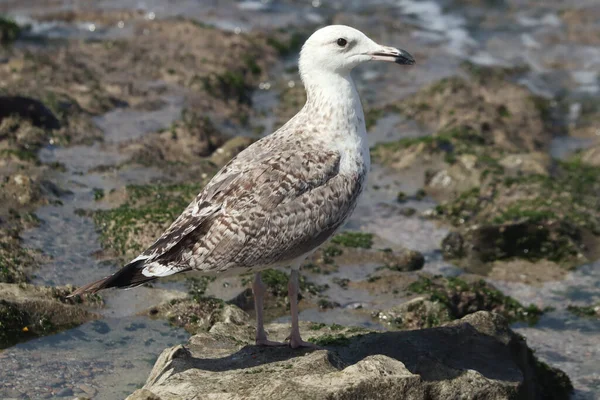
(561, 338)
(107, 359)
(115, 355)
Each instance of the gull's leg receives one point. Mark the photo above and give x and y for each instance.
(258, 288)
(293, 290)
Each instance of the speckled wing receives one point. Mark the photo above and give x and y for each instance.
(258, 211)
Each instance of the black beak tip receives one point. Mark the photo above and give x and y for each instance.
(404, 58)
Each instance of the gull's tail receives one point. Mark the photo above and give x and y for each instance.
(128, 276)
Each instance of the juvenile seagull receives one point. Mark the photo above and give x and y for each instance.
(283, 196)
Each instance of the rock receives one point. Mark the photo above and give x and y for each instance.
(406, 260)
(15, 260)
(417, 313)
(144, 212)
(458, 297)
(453, 245)
(475, 357)
(197, 315)
(534, 163)
(591, 155)
(585, 311)
(472, 144)
(507, 115)
(66, 392)
(29, 109)
(581, 25)
(28, 311)
(189, 140)
(9, 30)
(143, 394)
(352, 250)
(532, 217)
(89, 390)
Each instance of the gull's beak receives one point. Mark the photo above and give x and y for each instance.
(398, 56)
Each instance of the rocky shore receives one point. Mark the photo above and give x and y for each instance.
(108, 131)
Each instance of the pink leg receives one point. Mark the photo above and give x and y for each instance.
(293, 290)
(258, 288)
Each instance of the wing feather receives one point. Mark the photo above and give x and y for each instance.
(259, 211)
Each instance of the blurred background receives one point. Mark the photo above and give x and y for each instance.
(483, 193)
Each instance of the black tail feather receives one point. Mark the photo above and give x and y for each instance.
(128, 276)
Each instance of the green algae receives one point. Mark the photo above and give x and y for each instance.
(277, 283)
(531, 217)
(151, 207)
(354, 239)
(9, 30)
(585, 311)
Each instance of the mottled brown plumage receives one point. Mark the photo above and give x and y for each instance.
(286, 194)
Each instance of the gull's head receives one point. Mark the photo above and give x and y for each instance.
(340, 48)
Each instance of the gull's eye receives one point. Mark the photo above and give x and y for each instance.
(342, 42)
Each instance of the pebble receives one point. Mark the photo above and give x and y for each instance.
(64, 392)
(88, 389)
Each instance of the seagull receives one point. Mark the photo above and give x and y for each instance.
(282, 197)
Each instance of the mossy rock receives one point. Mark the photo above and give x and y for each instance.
(585, 311)
(28, 311)
(507, 115)
(20, 139)
(472, 144)
(192, 314)
(14, 260)
(9, 30)
(189, 141)
(146, 212)
(463, 296)
(530, 217)
(417, 313)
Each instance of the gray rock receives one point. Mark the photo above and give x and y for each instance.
(66, 392)
(477, 357)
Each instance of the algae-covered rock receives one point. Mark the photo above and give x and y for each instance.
(20, 139)
(442, 299)
(468, 294)
(416, 313)
(196, 315)
(15, 261)
(28, 311)
(531, 217)
(585, 311)
(145, 212)
(503, 114)
(484, 126)
(9, 30)
(475, 357)
(189, 140)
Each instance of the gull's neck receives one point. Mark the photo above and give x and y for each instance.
(334, 108)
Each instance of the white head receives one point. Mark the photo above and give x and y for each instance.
(339, 48)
